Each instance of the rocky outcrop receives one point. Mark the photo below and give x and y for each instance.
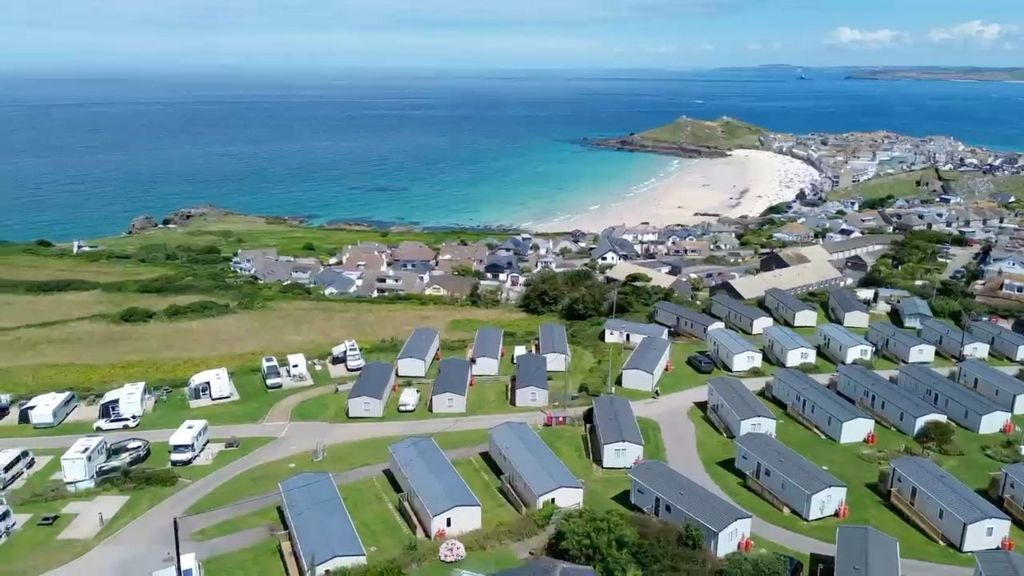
(635, 144)
(183, 216)
(141, 224)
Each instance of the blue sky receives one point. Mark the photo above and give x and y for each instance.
(338, 34)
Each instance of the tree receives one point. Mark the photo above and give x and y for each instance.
(661, 549)
(543, 295)
(936, 434)
(693, 538)
(761, 564)
(602, 539)
(309, 247)
(583, 305)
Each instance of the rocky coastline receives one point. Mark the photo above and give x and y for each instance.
(634, 143)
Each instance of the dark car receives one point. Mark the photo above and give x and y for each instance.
(701, 363)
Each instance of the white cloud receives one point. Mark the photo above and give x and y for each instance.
(755, 46)
(857, 38)
(706, 47)
(973, 31)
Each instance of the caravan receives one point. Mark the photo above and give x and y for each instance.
(78, 465)
(212, 384)
(13, 463)
(124, 402)
(48, 410)
(188, 441)
(297, 370)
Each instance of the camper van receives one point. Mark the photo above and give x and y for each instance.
(409, 400)
(13, 463)
(353, 357)
(48, 410)
(7, 521)
(271, 372)
(188, 441)
(78, 465)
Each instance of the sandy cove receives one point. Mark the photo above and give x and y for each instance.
(746, 182)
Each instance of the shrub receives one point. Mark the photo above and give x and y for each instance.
(138, 478)
(44, 243)
(197, 309)
(135, 315)
(49, 493)
(309, 247)
(936, 434)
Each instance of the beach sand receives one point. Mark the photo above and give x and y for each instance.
(745, 183)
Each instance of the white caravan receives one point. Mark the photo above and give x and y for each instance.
(188, 441)
(13, 463)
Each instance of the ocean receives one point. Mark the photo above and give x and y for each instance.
(79, 158)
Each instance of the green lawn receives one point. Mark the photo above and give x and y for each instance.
(899, 185)
(263, 559)
(484, 561)
(373, 505)
(16, 264)
(269, 516)
(485, 485)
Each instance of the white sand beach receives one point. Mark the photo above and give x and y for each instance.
(745, 183)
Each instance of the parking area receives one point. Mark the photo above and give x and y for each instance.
(91, 516)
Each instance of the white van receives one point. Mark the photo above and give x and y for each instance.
(7, 521)
(188, 441)
(409, 400)
(271, 372)
(353, 357)
(13, 463)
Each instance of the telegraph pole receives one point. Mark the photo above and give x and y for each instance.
(615, 296)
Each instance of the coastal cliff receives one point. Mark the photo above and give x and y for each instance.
(689, 138)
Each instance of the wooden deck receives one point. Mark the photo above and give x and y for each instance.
(291, 566)
(796, 415)
(916, 517)
(716, 420)
(767, 494)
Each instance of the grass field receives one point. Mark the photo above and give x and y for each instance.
(16, 265)
(269, 516)
(29, 309)
(723, 133)
(898, 185)
(263, 559)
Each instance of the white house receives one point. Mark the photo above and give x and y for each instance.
(631, 333)
(127, 401)
(78, 465)
(836, 418)
(323, 537)
(1002, 341)
(487, 351)
(913, 311)
(787, 348)
(786, 307)
(952, 341)
(738, 409)
(450, 393)
(846, 309)
(418, 352)
(739, 315)
(664, 493)
(1004, 390)
(805, 488)
(615, 438)
(966, 520)
(645, 365)
(369, 395)
(843, 346)
(733, 351)
(530, 383)
(686, 321)
(437, 494)
(554, 347)
(897, 406)
(902, 346)
(962, 405)
(532, 469)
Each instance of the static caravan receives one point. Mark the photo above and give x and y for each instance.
(965, 519)
(534, 472)
(437, 494)
(212, 384)
(1002, 341)
(998, 563)
(451, 387)
(685, 321)
(321, 531)
(962, 405)
(631, 333)
(127, 401)
(369, 395)
(1004, 390)
(786, 307)
(804, 487)
(825, 410)
(845, 309)
(738, 409)
(645, 365)
(554, 347)
(1011, 486)
(952, 341)
(487, 351)
(615, 438)
(78, 465)
(530, 383)
(188, 441)
(48, 410)
(902, 346)
(787, 348)
(660, 491)
(913, 311)
(843, 346)
(899, 407)
(732, 351)
(865, 551)
(739, 315)
(418, 352)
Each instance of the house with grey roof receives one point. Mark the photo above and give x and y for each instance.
(900, 345)
(787, 348)
(732, 351)
(845, 309)
(530, 382)
(369, 395)
(554, 347)
(786, 307)
(913, 311)
(960, 404)
(952, 341)
(686, 321)
(645, 365)
(438, 496)
(664, 493)
(843, 346)
(786, 477)
(899, 407)
(545, 566)
(821, 407)
(1004, 390)
(737, 409)
(487, 351)
(1001, 340)
(615, 438)
(532, 469)
(418, 352)
(245, 260)
(334, 282)
(998, 563)
(321, 532)
(965, 519)
(740, 315)
(865, 551)
(1011, 488)
(612, 250)
(450, 393)
(619, 331)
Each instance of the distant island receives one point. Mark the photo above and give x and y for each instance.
(936, 73)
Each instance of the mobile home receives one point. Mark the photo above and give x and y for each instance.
(78, 465)
(845, 309)
(534, 472)
(554, 347)
(739, 315)
(962, 405)
(843, 346)
(369, 395)
(437, 494)
(631, 333)
(913, 311)
(451, 387)
(1004, 390)
(1002, 341)
(188, 441)
(786, 307)
(487, 351)
(820, 406)
(897, 406)
(787, 348)
(998, 563)
(127, 401)
(48, 410)
(418, 353)
(685, 321)
(615, 439)
(211, 385)
(952, 341)
(321, 531)
(902, 346)
(732, 351)
(645, 365)
(738, 409)
(805, 488)
(865, 551)
(1011, 485)
(530, 383)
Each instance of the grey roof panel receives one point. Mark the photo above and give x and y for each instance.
(647, 356)
(532, 459)
(615, 422)
(865, 551)
(890, 331)
(739, 307)
(914, 307)
(787, 299)
(842, 335)
(318, 519)
(685, 494)
(739, 398)
(487, 343)
(909, 402)
(419, 343)
(1015, 470)
(788, 338)
(531, 372)
(373, 381)
(806, 474)
(846, 301)
(732, 341)
(453, 377)
(652, 330)
(1001, 380)
(961, 394)
(690, 314)
(431, 475)
(544, 566)
(999, 563)
(816, 392)
(997, 331)
(948, 329)
(949, 492)
(553, 339)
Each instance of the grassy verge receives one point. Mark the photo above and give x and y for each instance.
(269, 516)
(263, 559)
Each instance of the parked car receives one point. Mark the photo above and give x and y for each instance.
(409, 400)
(353, 357)
(116, 423)
(701, 363)
(958, 274)
(271, 372)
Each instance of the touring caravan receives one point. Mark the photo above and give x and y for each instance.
(297, 369)
(13, 463)
(214, 384)
(188, 441)
(78, 465)
(48, 410)
(127, 401)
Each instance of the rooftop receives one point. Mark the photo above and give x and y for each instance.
(739, 398)
(846, 301)
(732, 341)
(685, 494)
(318, 519)
(802, 472)
(865, 551)
(652, 330)
(487, 343)
(419, 344)
(432, 478)
(553, 339)
(532, 459)
(531, 372)
(901, 397)
(961, 394)
(842, 335)
(787, 299)
(373, 381)
(615, 422)
(733, 305)
(648, 355)
(812, 390)
(452, 377)
(786, 337)
(999, 563)
(696, 316)
(950, 493)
